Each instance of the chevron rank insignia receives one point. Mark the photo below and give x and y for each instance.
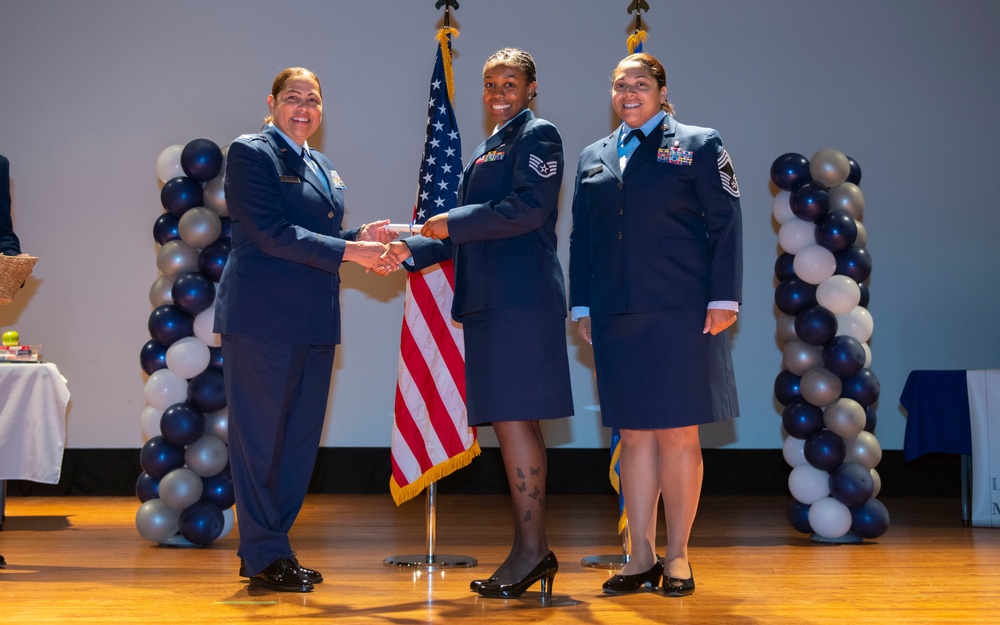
(727, 175)
(542, 168)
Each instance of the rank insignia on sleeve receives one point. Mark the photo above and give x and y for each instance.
(542, 168)
(727, 175)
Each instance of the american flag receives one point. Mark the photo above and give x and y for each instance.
(430, 435)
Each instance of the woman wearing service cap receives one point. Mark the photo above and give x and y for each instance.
(655, 280)
(278, 312)
(510, 298)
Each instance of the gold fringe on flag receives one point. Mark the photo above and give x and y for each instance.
(616, 484)
(449, 75)
(634, 40)
(435, 473)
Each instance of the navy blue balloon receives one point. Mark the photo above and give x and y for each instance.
(168, 324)
(824, 450)
(218, 489)
(212, 259)
(787, 387)
(798, 514)
(783, 266)
(871, 419)
(836, 231)
(180, 194)
(165, 228)
(863, 387)
(182, 424)
(193, 292)
(855, 262)
(801, 419)
(158, 457)
(147, 487)
(215, 358)
(815, 325)
(201, 159)
(865, 295)
(153, 357)
(790, 170)
(855, 176)
(844, 355)
(202, 522)
(810, 201)
(851, 484)
(793, 295)
(207, 391)
(870, 519)
(227, 228)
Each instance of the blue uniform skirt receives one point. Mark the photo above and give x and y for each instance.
(657, 370)
(516, 366)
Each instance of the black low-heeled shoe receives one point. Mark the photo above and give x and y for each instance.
(624, 584)
(677, 587)
(544, 571)
(476, 583)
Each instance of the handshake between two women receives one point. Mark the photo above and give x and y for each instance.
(376, 247)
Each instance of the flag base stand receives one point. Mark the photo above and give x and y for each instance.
(431, 561)
(610, 561)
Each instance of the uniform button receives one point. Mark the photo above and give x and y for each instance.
(621, 186)
(330, 214)
(620, 211)
(619, 236)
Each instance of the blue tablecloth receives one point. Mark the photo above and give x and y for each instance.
(937, 409)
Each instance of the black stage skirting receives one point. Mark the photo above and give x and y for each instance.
(365, 470)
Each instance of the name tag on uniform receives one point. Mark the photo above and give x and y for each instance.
(338, 183)
(489, 157)
(675, 155)
(292, 179)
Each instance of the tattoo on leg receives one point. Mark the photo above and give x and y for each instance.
(522, 487)
(520, 473)
(527, 516)
(535, 471)
(536, 493)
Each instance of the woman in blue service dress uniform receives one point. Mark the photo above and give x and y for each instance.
(510, 298)
(655, 280)
(278, 312)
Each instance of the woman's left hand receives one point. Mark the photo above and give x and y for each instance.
(718, 319)
(436, 227)
(376, 231)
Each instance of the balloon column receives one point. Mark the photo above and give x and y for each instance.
(827, 387)
(186, 488)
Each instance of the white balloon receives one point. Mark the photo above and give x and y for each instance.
(796, 234)
(814, 264)
(868, 355)
(808, 484)
(838, 294)
(187, 357)
(781, 207)
(203, 324)
(878, 483)
(829, 518)
(228, 520)
(164, 389)
(149, 422)
(857, 323)
(168, 163)
(792, 450)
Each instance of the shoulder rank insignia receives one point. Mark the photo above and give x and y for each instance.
(727, 175)
(545, 169)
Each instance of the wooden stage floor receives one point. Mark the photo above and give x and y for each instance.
(80, 560)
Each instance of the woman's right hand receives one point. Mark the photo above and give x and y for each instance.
(583, 329)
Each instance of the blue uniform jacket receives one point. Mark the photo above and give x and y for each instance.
(664, 235)
(281, 280)
(502, 236)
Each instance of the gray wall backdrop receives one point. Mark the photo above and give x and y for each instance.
(94, 91)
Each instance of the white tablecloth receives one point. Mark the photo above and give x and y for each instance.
(984, 412)
(33, 401)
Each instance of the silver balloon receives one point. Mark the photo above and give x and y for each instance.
(820, 386)
(864, 449)
(217, 424)
(848, 198)
(800, 356)
(862, 239)
(160, 292)
(180, 488)
(829, 167)
(207, 456)
(176, 257)
(215, 195)
(786, 327)
(156, 521)
(844, 417)
(199, 227)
